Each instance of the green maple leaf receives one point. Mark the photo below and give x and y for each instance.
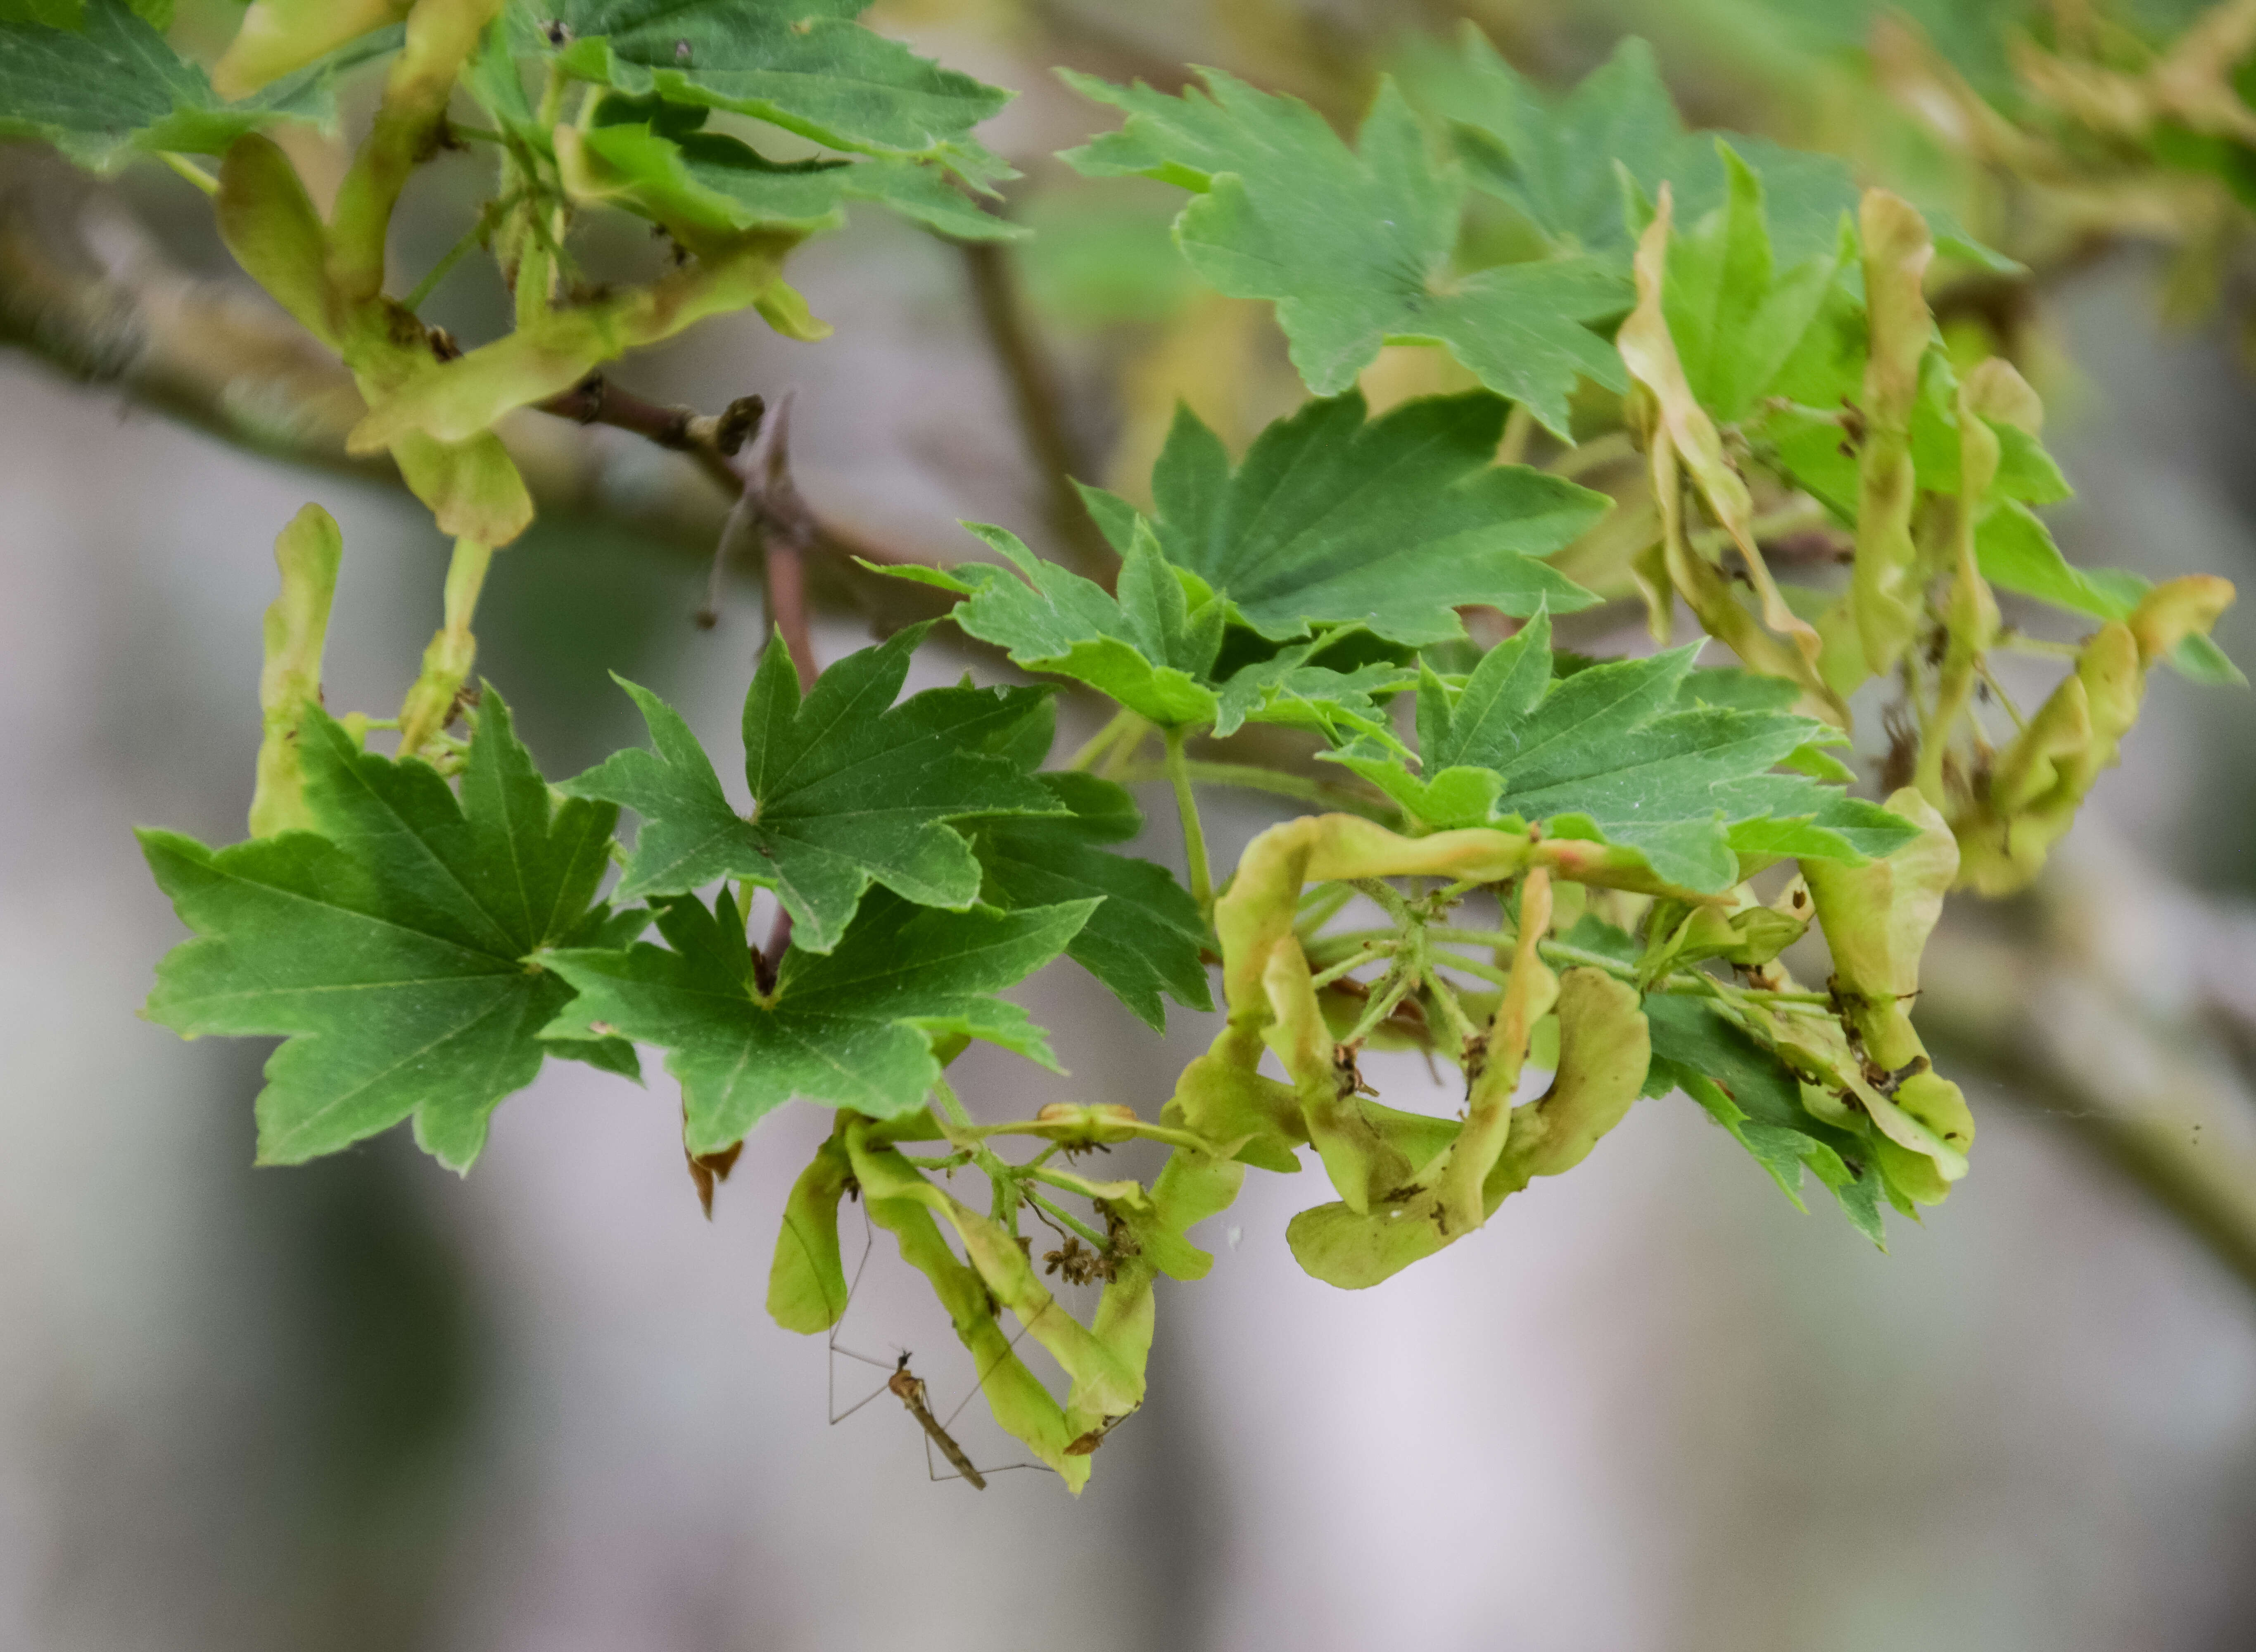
(1146, 647)
(2017, 553)
(1146, 936)
(692, 181)
(805, 65)
(109, 87)
(848, 788)
(1804, 440)
(1615, 752)
(1289, 688)
(1752, 1095)
(1738, 322)
(1356, 245)
(1392, 524)
(1152, 647)
(1745, 1089)
(1583, 168)
(853, 1027)
(394, 949)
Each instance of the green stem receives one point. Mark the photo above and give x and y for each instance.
(1452, 1012)
(1178, 769)
(1103, 741)
(951, 1104)
(1473, 937)
(1070, 1222)
(1593, 455)
(1788, 518)
(1393, 987)
(952, 1161)
(189, 170)
(1472, 966)
(1684, 983)
(473, 238)
(1348, 965)
(1389, 901)
(2044, 646)
(1518, 426)
(1261, 779)
(1319, 905)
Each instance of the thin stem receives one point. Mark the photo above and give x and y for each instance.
(1323, 948)
(1787, 519)
(1319, 905)
(1518, 428)
(951, 1103)
(1263, 779)
(1390, 900)
(1072, 1223)
(1998, 693)
(1098, 743)
(1139, 1127)
(1392, 988)
(1178, 770)
(1472, 937)
(473, 238)
(1452, 1012)
(1593, 455)
(771, 513)
(1471, 966)
(189, 170)
(1353, 961)
(2020, 644)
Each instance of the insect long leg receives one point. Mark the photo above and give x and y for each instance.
(830, 1366)
(980, 1381)
(939, 1479)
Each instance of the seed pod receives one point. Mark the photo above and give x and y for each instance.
(807, 1281)
(297, 626)
(1604, 1049)
(1603, 1053)
(1897, 251)
(1877, 918)
(1361, 1166)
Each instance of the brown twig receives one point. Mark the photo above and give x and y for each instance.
(1042, 410)
(771, 517)
(84, 289)
(711, 440)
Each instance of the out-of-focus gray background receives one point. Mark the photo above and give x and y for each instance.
(363, 1404)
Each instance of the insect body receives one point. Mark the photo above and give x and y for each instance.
(910, 1387)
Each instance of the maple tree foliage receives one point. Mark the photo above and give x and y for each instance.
(1510, 856)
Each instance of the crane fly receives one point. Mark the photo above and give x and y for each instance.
(909, 1388)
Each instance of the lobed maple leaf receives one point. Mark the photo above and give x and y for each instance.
(852, 1028)
(1356, 245)
(109, 87)
(1144, 938)
(1585, 166)
(394, 948)
(1745, 1089)
(1615, 751)
(1336, 519)
(702, 184)
(805, 65)
(849, 789)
